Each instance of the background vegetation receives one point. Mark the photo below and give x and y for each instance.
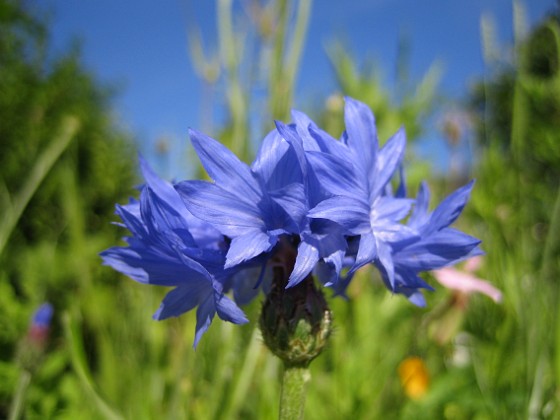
(65, 162)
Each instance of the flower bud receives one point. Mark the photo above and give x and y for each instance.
(40, 325)
(295, 322)
(32, 347)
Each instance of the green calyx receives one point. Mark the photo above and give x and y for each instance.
(296, 322)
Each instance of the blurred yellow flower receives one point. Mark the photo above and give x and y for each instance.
(414, 377)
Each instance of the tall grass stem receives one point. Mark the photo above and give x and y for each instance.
(37, 174)
(19, 396)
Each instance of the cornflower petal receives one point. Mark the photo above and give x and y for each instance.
(246, 284)
(388, 160)
(367, 252)
(229, 311)
(293, 200)
(303, 125)
(442, 248)
(183, 298)
(414, 296)
(132, 219)
(204, 315)
(420, 215)
(449, 209)
(273, 147)
(249, 245)
(316, 140)
(307, 258)
(396, 233)
(408, 284)
(228, 213)
(349, 212)
(362, 134)
(384, 261)
(160, 223)
(277, 163)
(329, 144)
(335, 174)
(401, 189)
(224, 167)
(166, 203)
(406, 278)
(170, 247)
(387, 210)
(145, 266)
(290, 134)
(328, 270)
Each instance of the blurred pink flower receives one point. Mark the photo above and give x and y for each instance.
(473, 264)
(466, 282)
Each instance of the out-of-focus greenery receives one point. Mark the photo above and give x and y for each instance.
(65, 163)
(414, 103)
(516, 209)
(257, 60)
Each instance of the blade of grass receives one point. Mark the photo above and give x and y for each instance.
(230, 51)
(16, 409)
(80, 367)
(42, 166)
(294, 55)
(246, 373)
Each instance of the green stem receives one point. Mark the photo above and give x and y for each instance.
(294, 388)
(36, 175)
(19, 396)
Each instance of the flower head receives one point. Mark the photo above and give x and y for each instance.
(40, 324)
(252, 206)
(308, 205)
(170, 247)
(436, 245)
(255, 206)
(357, 174)
(414, 376)
(32, 347)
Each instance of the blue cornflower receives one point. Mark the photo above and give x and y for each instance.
(308, 203)
(170, 247)
(42, 316)
(254, 206)
(323, 243)
(40, 324)
(437, 245)
(258, 206)
(357, 174)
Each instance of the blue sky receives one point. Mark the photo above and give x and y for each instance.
(141, 46)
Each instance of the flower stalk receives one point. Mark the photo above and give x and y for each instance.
(296, 323)
(30, 354)
(16, 408)
(294, 390)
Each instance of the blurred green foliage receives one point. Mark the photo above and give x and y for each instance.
(65, 162)
(257, 60)
(63, 165)
(416, 101)
(516, 211)
(518, 117)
